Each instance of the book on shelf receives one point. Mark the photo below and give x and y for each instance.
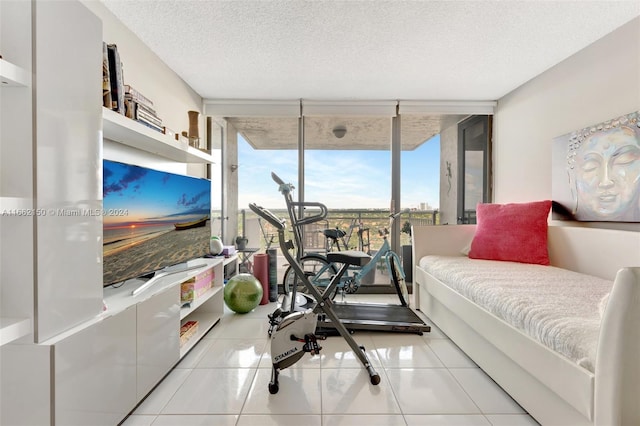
(187, 330)
(148, 117)
(117, 80)
(137, 96)
(135, 111)
(106, 81)
(140, 105)
(150, 125)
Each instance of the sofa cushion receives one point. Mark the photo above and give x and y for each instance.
(515, 232)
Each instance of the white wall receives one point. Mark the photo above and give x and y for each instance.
(596, 84)
(148, 74)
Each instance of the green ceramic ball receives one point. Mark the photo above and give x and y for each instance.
(242, 293)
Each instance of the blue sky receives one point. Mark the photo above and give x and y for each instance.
(152, 196)
(340, 179)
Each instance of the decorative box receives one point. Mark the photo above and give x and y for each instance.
(228, 251)
(196, 286)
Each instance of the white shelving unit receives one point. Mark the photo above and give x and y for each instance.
(8, 204)
(126, 131)
(63, 354)
(13, 75)
(13, 328)
(207, 311)
(207, 308)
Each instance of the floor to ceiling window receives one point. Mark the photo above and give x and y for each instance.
(420, 185)
(347, 167)
(361, 159)
(264, 146)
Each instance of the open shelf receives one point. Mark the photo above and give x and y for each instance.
(198, 301)
(13, 328)
(13, 75)
(206, 309)
(206, 320)
(126, 131)
(15, 203)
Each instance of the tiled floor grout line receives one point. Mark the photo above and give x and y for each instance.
(467, 393)
(253, 382)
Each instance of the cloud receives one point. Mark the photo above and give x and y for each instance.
(187, 201)
(132, 175)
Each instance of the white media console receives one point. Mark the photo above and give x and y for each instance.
(207, 309)
(140, 343)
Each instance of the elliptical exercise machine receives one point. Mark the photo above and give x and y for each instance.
(321, 271)
(293, 335)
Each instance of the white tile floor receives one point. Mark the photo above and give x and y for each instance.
(426, 380)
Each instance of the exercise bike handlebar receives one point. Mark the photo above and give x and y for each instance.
(268, 216)
(314, 218)
(286, 188)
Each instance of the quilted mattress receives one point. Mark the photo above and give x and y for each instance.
(559, 308)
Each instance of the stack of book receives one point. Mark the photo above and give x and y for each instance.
(187, 330)
(140, 108)
(121, 97)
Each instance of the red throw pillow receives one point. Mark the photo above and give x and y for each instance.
(514, 232)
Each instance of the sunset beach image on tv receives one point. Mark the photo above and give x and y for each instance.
(152, 219)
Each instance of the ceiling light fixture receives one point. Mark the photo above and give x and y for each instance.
(339, 131)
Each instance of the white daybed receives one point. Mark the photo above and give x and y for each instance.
(553, 388)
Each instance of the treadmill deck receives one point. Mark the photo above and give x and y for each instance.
(375, 317)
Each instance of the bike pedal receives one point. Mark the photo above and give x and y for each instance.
(311, 344)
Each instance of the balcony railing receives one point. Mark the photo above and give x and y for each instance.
(351, 221)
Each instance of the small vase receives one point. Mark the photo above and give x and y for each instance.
(193, 124)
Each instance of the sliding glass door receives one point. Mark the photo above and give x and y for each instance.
(474, 162)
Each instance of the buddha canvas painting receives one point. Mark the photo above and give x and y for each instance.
(596, 171)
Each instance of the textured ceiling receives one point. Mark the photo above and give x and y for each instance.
(424, 50)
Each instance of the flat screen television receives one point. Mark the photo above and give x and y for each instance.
(152, 220)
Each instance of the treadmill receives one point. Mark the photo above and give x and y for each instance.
(354, 316)
(367, 316)
(374, 317)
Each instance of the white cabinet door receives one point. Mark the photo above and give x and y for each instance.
(68, 126)
(158, 344)
(25, 371)
(95, 372)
